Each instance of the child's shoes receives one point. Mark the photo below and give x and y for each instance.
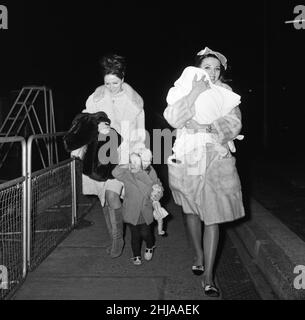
(136, 260)
(149, 253)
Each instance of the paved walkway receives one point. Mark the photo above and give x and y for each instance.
(79, 268)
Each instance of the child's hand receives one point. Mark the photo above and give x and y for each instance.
(157, 192)
(154, 197)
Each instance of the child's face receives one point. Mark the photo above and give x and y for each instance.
(135, 163)
(146, 159)
(145, 163)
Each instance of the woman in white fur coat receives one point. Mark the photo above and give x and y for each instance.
(124, 107)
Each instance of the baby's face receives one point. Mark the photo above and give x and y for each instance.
(135, 163)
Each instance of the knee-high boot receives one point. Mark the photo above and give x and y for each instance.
(108, 225)
(116, 220)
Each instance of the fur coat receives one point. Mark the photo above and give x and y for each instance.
(126, 112)
(97, 161)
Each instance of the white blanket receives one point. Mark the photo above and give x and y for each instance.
(210, 105)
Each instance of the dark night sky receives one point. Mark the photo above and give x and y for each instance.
(58, 44)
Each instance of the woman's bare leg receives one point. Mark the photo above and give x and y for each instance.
(195, 230)
(210, 244)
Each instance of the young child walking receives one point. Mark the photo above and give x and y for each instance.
(139, 177)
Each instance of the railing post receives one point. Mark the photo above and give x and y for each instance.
(29, 197)
(74, 195)
(24, 211)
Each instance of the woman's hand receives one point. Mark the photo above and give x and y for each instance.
(194, 125)
(200, 85)
(103, 127)
(197, 88)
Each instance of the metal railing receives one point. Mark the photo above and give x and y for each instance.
(37, 210)
(51, 204)
(13, 227)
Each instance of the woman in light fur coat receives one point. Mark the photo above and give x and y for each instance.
(206, 183)
(124, 107)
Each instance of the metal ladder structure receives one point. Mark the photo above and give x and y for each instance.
(23, 113)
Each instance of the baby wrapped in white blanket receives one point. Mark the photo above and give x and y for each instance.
(210, 105)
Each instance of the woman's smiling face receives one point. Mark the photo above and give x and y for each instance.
(212, 67)
(113, 83)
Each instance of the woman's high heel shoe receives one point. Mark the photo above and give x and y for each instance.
(198, 270)
(210, 290)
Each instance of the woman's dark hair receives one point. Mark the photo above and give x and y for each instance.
(113, 64)
(199, 59)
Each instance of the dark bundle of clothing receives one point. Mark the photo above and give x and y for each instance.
(101, 155)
